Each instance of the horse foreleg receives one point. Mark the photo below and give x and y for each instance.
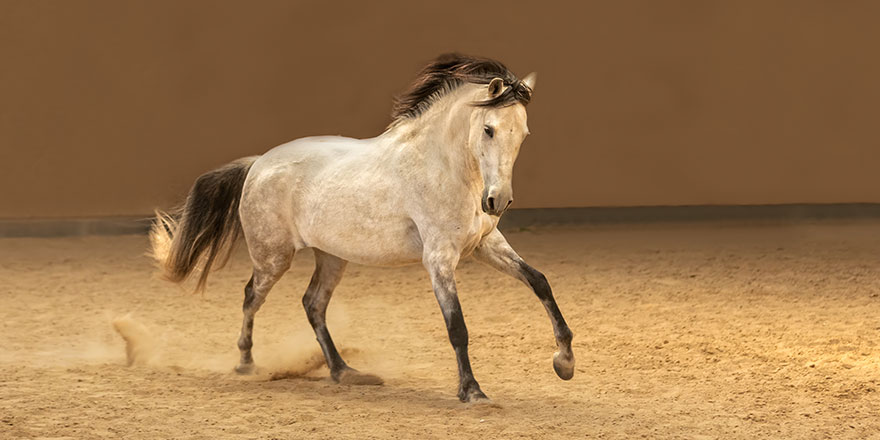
(441, 267)
(497, 253)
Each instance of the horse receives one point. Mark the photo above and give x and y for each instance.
(430, 189)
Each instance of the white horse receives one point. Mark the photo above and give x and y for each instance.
(430, 189)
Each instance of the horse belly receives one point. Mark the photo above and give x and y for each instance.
(372, 247)
(368, 238)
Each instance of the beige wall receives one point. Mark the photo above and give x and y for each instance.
(114, 107)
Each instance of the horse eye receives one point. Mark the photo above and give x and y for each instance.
(489, 131)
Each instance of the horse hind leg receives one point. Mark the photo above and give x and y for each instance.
(328, 273)
(265, 275)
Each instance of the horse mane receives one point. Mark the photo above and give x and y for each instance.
(449, 71)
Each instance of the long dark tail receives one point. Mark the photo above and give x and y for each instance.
(202, 232)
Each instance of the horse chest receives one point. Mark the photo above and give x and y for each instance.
(482, 225)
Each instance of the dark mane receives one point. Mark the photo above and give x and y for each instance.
(449, 71)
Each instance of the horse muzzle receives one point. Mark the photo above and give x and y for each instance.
(496, 201)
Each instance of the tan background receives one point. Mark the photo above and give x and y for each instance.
(113, 108)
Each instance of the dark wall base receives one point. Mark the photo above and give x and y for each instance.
(74, 227)
(519, 218)
(516, 218)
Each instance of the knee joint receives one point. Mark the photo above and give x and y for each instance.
(536, 280)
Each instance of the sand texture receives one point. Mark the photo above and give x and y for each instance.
(681, 331)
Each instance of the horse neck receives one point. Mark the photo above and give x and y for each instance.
(439, 136)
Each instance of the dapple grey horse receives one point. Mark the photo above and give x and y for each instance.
(430, 189)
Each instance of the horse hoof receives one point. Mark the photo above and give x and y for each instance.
(350, 376)
(479, 399)
(245, 369)
(472, 395)
(563, 365)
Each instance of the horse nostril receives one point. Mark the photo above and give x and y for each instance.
(508, 203)
(490, 202)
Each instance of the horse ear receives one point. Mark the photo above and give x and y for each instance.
(530, 80)
(496, 86)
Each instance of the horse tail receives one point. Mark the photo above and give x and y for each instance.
(202, 232)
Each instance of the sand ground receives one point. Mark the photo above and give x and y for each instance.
(681, 331)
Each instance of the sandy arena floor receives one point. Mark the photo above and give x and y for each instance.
(681, 331)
